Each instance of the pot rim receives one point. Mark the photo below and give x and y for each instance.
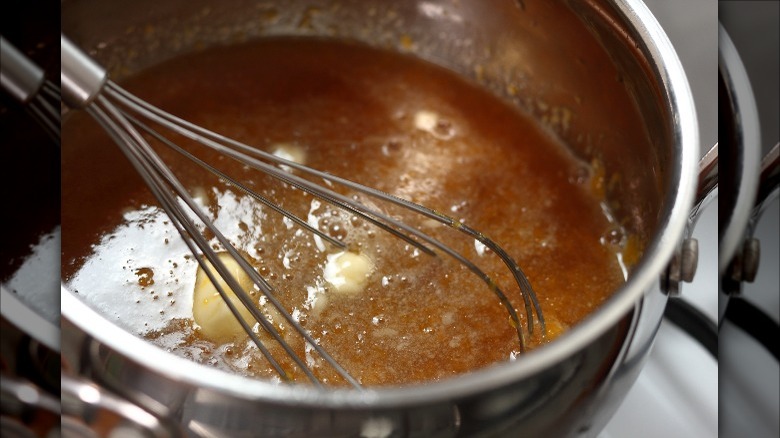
(679, 103)
(24, 317)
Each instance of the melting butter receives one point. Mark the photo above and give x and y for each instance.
(348, 271)
(290, 152)
(209, 309)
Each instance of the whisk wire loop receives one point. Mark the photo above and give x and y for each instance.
(43, 107)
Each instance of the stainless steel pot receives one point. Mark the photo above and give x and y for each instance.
(600, 74)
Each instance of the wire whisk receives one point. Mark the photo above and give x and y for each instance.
(129, 119)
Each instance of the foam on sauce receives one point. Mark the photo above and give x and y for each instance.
(388, 121)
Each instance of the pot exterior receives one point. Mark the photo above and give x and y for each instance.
(574, 397)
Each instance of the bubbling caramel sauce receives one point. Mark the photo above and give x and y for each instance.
(383, 119)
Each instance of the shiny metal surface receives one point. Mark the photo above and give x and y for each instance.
(749, 383)
(25, 81)
(741, 143)
(27, 410)
(18, 75)
(708, 181)
(88, 407)
(601, 75)
(82, 78)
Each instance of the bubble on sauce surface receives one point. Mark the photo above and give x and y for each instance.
(580, 174)
(391, 147)
(614, 236)
(145, 276)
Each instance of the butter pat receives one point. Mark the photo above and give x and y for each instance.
(289, 152)
(348, 272)
(426, 120)
(433, 124)
(210, 311)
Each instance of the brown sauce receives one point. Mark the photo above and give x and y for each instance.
(380, 118)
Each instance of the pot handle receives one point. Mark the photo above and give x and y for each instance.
(707, 188)
(682, 266)
(744, 266)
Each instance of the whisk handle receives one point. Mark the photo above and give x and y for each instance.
(18, 75)
(82, 78)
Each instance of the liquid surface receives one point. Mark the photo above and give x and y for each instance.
(385, 120)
